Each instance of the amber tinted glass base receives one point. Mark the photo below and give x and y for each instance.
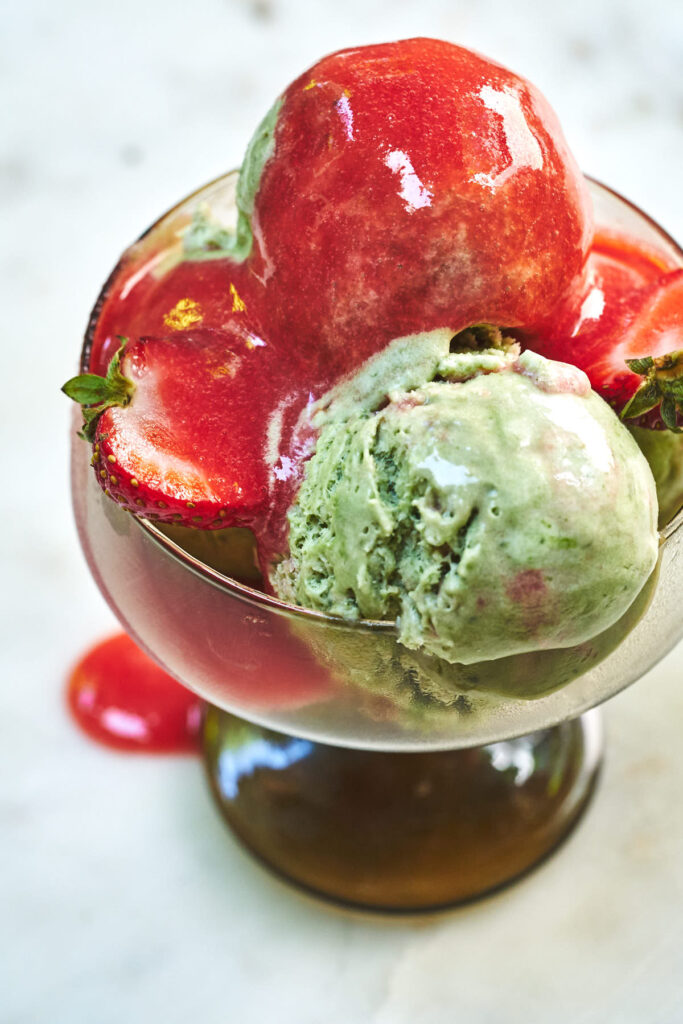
(400, 832)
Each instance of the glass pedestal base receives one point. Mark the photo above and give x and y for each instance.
(400, 831)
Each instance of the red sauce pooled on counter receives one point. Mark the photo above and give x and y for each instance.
(123, 699)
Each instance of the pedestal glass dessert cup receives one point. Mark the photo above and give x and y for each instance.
(362, 771)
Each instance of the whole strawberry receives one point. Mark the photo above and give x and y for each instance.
(407, 186)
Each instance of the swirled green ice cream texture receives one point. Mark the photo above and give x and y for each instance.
(490, 503)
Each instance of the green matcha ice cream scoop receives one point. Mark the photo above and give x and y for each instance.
(490, 503)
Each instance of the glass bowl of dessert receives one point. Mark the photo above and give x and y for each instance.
(359, 763)
(194, 602)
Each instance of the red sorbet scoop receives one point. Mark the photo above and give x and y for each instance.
(409, 186)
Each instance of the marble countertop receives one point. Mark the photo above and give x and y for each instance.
(122, 896)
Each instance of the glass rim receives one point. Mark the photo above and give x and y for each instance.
(242, 591)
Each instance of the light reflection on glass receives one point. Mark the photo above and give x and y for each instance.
(516, 754)
(260, 753)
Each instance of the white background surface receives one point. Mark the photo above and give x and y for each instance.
(122, 898)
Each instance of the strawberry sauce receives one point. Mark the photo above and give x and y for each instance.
(123, 699)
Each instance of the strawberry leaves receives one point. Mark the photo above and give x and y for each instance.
(95, 394)
(662, 386)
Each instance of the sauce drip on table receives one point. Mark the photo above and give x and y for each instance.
(123, 699)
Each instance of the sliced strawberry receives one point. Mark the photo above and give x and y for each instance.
(653, 348)
(180, 425)
(626, 334)
(630, 255)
